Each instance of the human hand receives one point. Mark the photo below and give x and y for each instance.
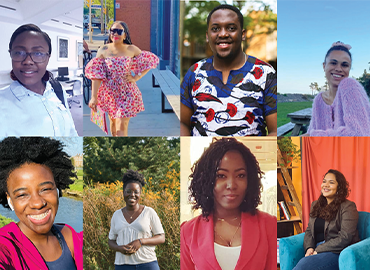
(309, 252)
(314, 253)
(126, 249)
(131, 78)
(136, 244)
(92, 103)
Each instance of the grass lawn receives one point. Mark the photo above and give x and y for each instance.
(288, 107)
(78, 184)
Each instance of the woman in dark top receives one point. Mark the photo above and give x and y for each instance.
(332, 225)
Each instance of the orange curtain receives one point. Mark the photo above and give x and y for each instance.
(349, 155)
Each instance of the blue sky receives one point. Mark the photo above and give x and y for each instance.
(306, 30)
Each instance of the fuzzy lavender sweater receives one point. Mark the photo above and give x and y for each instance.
(349, 115)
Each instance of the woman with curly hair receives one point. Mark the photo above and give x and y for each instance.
(33, 173)
(135, 229)
(332, 225)
(231, 233)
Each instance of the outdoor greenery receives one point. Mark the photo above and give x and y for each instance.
(4, 221)
(284, 108)
(105, 162)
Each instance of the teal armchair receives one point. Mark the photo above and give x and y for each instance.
(353, 257)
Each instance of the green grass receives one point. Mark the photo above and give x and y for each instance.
(4, 221)
(78, 185)
(288, 107)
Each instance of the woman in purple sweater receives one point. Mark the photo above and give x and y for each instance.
(343, 110)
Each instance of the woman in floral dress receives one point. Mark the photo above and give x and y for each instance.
(114, 73)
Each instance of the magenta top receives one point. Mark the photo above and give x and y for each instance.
(18, 252)
(349, 115)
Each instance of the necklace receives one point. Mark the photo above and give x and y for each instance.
(222, 219)
(229, 243)
(132, 214)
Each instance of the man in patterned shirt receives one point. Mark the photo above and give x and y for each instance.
(230, 93)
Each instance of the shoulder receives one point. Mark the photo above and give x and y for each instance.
(11, 227)
(149, 210)
(190, 225)
(351, 88)
(259, 62)
(134, 49)
(266, 219)
(348, 204)
(102, 51)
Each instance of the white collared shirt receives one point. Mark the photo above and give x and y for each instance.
(26, 113)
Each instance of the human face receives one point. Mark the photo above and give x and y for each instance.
(33, 193)
(132, 194)
(115, 37)
(225, 34)
(231, 182)
(27, 71)
(336, 67)
(329, 187)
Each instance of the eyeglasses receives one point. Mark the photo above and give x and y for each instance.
(20, 56)
(117, 31)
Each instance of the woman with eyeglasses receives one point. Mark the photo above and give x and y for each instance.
(30, 106)
(114, 87)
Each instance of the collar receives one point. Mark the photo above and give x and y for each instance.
(20, 92)
(249, 240)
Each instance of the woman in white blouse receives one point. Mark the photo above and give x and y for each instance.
(135, 229)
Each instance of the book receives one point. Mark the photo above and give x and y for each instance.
(285, 210)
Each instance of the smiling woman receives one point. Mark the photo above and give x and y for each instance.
(31, 106)
(135, 229)
(343, 110)
(231, 234)
(33, 173)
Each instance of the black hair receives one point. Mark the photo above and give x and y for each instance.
(128, 38)
(15, 152)
(29, 28)
(337, 48)
(204, 171)
(132, 176)
(230, 7)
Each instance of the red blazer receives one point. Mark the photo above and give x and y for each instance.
(258, 250)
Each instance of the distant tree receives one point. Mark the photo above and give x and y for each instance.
(315, 87)
(365, 81)
(107, 159)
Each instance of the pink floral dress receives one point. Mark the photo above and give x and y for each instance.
(118, 97)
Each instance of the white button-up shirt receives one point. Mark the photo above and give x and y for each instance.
(26, 113)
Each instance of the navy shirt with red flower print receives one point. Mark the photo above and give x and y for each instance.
(237, 108)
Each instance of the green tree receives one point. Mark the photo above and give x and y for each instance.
(315, 87)
(107, 159)
(365, 81)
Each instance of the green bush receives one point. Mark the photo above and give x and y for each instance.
(4, 221)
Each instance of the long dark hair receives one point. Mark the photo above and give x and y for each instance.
(328, 211)
(128, 38)
(203, 176)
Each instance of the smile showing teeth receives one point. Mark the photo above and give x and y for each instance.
(337, 76)
(39, 217)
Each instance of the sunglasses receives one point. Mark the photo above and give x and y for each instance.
(117, 31)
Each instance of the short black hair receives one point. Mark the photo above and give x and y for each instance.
(337, 48)
(29, 28)
(230, 7)
(132, 176)
(128, 38)
(204, 171)
(15, 152)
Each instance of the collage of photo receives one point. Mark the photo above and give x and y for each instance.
(156, 134)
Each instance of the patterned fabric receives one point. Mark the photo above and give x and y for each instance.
(237, 108)
(118, 97)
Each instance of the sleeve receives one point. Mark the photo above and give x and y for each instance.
(112, 234)
(348, 228)
(96, 69)
(185, 258)
(355, 107)
(309, 240)
(271, 237)
(144, 61)
(187, 86)
(270, 92)
(155, 223)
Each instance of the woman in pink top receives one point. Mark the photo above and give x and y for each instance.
(33, 172)
(231, 233)
(343, 110)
